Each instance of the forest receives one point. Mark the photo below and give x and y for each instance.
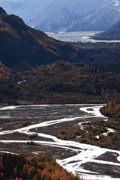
(62, 82)
(112, 109)
(29, 167)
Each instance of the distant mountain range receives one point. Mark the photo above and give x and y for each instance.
(66, 15)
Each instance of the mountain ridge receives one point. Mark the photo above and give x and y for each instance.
(64, 15)
(112, 33)
(25, 44)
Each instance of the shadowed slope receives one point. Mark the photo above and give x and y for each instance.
(111, 34)
(22, 44)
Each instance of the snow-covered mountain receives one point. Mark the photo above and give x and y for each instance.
(66, 15)
(26, 9)
(103, 17)
(60, 15)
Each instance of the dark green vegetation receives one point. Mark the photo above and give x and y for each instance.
(112, 33)
(27, 167)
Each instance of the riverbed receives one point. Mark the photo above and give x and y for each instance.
(34, 129)
(80, 36)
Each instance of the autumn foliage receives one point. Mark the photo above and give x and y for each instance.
(112, 109)
(27, 167)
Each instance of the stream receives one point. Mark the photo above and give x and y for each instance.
(17, 123)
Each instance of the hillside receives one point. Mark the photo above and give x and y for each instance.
(64, 82)
(112, 33)
(21, 44)
(25, 48)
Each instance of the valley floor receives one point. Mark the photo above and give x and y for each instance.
(37, 129)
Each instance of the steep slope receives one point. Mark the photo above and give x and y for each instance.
(61, 15)
(103, 17)
(111, 34)
(21, 44)
(6, 74)
(95, 15)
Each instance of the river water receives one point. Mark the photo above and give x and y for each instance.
(82, 36)
(17, 123)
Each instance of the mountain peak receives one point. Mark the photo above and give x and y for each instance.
(2, 11)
